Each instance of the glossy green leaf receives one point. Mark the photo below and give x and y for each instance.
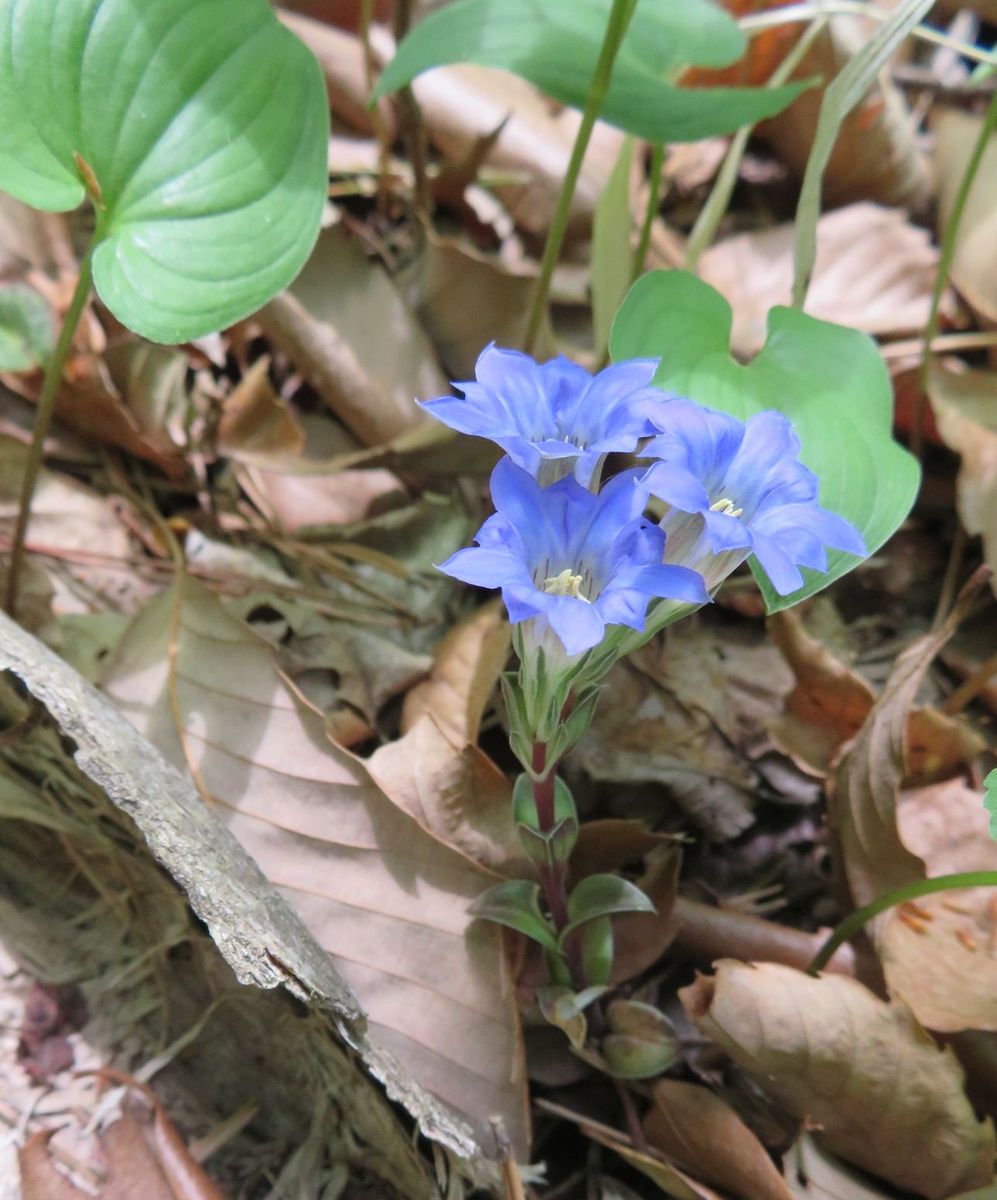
(829, 380)
(596, 943)
(27, 330)
(601, 896)
(515, 903)
(990, 800)
(199, 127)
(555, 44)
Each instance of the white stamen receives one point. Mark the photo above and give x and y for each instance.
(726, 507)
(565, 584)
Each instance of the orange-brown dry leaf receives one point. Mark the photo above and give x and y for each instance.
(256, 425)
(874, 271)
(876, 1089)
(702, 1134)
(939, 954)
(974, 266)
(831, 701)
(454, 791)
(465, 672)
(965, 408)
(385, 899)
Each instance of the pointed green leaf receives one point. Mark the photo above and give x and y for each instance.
(515, 903)
(601, 896)
(556, 45)
(990, 801)
(830, 381)
(198, 126)
(27, 330)
(596, 942)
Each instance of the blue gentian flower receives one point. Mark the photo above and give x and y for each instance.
(735, 488)
(570, 561)
(553, 418)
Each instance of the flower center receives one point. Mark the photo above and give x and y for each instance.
(727, 507)
(566, 584)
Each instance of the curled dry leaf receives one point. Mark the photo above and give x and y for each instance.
(386, 901)
(465, 671)
(866, 786)
(874, 271)
(974, 267)
(831, 701)
(256, 425)
(812, 1174)
(965, 408)
(702, 1134)
(877, 1089)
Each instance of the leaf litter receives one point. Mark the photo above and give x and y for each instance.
(336, 701)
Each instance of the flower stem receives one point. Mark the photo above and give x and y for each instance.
(852, 924)
(619, 19)
(653, 200)
(43, 421)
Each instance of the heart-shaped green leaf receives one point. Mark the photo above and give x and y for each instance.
(555, 44)
(830, 381)
(199, 127)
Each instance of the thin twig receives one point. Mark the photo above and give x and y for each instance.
(971, 688)
(376, 117)
(619, 20)
(410, 121)
(653, 200)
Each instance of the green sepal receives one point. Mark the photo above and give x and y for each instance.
(601, 896)
(570, 732)
(515, 903)
(595, 941)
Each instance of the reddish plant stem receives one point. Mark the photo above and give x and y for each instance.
(554, 878)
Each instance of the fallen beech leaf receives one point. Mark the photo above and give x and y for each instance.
(965, 408)
(464, 674)
(700, 1133)
(939, 955)
(974, 266)
(875, 271)
(863, 1072)
(388, 902)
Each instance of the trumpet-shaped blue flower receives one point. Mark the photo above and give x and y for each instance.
(735, 488)
(572, 561)
(553, 418)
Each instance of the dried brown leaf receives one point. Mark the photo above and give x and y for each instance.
(356, 343)
(965, 408)
(870, 773)
(831, 701)
(939, 954)
(256, 425)
(812, 1174)
(875, 271)
(463, 677)
(454, 791)
(388, 902)
(974, 267)
(700, 1133)
(862, 1071)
